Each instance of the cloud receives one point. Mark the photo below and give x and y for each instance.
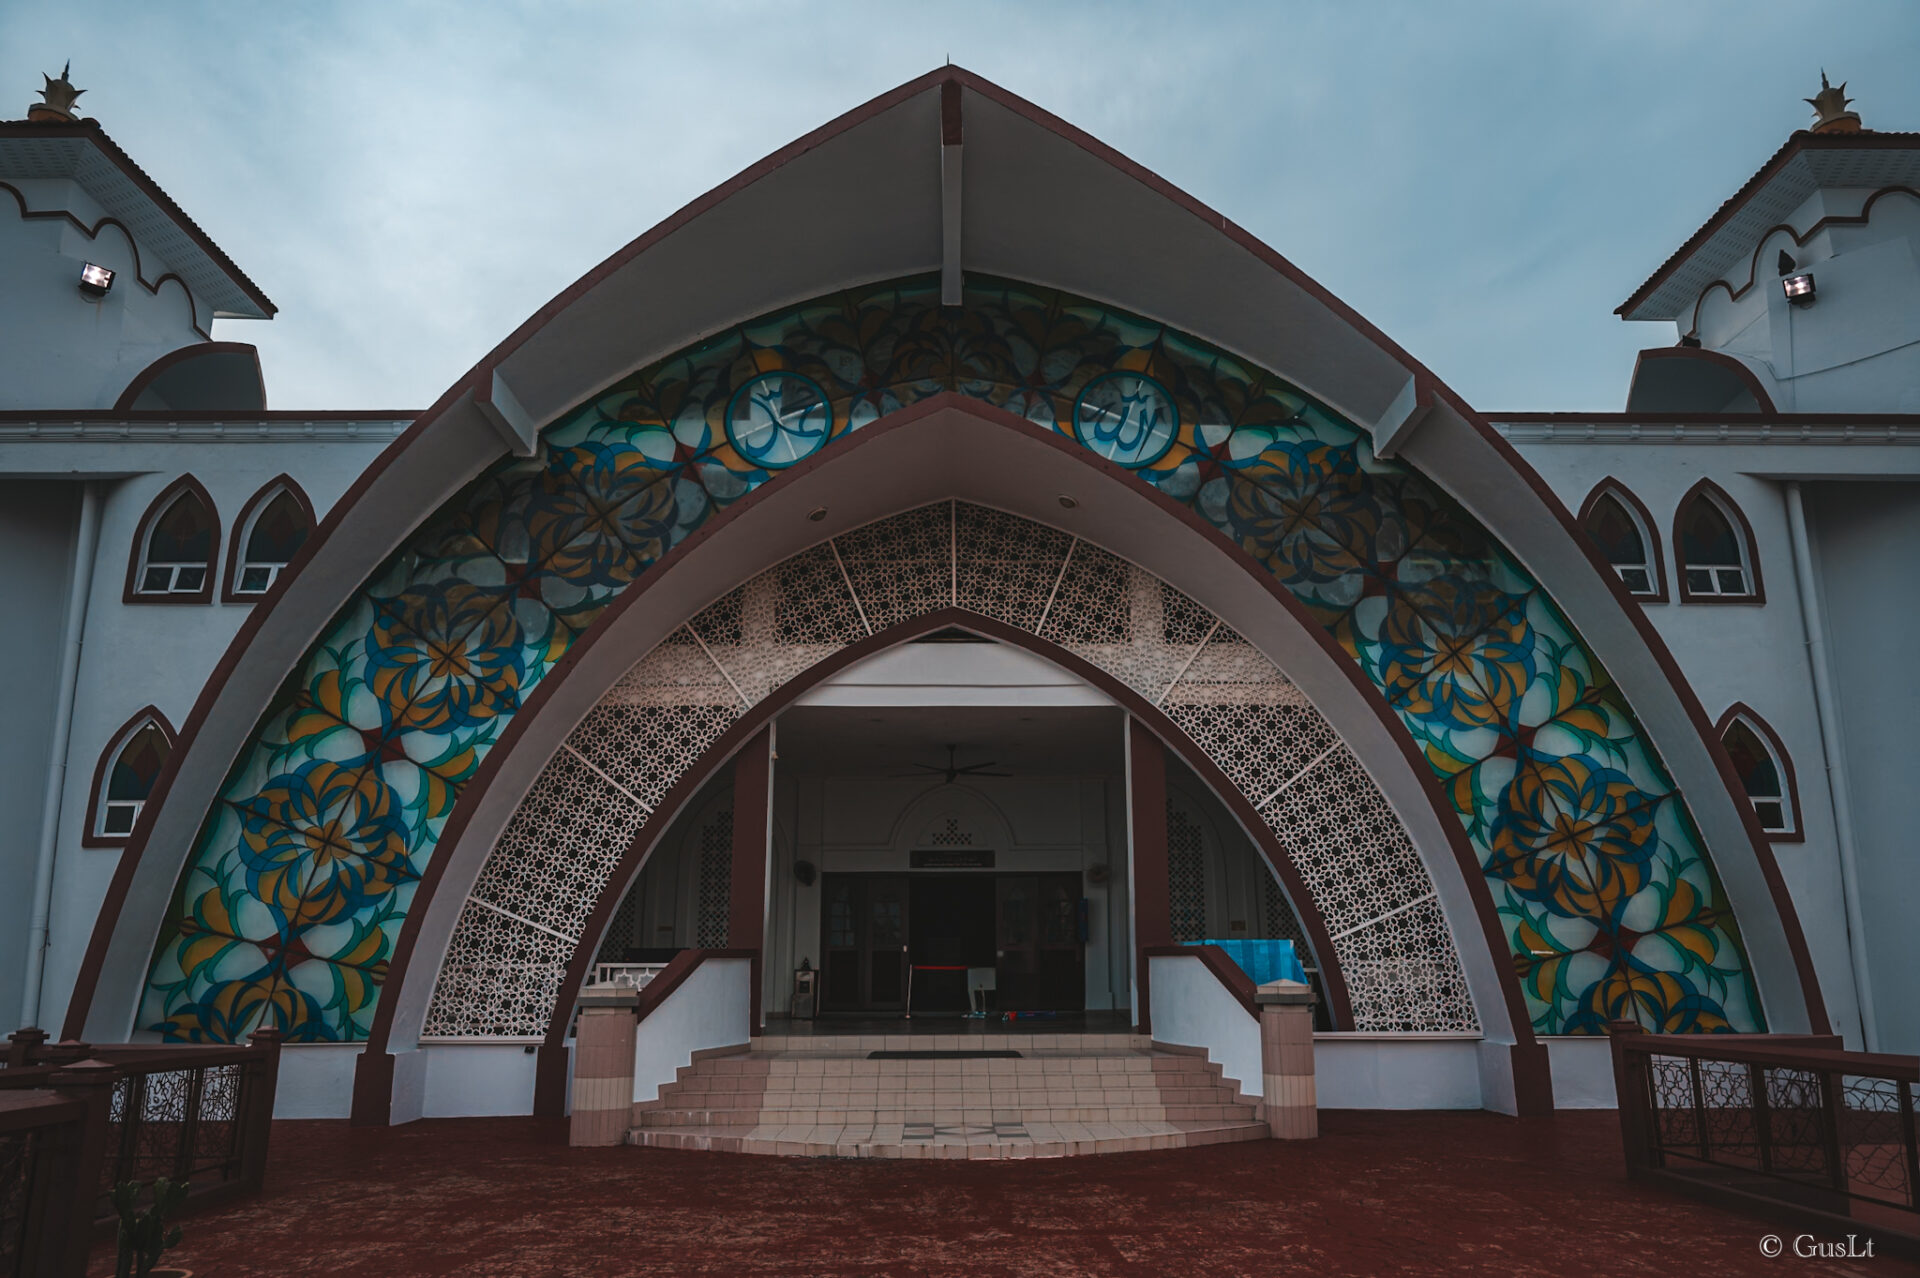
(1483, 181)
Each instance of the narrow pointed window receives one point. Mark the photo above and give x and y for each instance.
(1715, 548)
(125, 777)
(271, 531)
(1765, 774)
(174, 556)
(1621, 530)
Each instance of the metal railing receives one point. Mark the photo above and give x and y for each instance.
(632, 975)
(106, 1113)
(1789, 1123)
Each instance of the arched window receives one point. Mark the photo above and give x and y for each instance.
(124, 777)
(1621, 527)
(173, 558)
(271, 529)
(1715, 548)
(1766, 773)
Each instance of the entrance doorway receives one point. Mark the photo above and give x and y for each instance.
(1029, 928)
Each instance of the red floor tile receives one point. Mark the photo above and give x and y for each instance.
(1377, 1194)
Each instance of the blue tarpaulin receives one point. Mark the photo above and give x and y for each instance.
(1263, 960)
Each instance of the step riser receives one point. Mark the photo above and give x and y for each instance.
(739, 1143)
(882, 1117)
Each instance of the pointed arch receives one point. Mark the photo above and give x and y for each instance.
(252, 570)
(176, 546)
(1650, 562)
(119, 793)
(1766, 772)
(1716, 559)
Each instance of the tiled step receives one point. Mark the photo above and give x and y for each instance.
(1066, 1094)
(1033, 1140)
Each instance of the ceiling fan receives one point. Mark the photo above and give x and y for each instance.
(954, 771)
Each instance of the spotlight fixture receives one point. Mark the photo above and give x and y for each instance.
(817, 514)
(1799, 288)
(95, 281)
(1068, 503)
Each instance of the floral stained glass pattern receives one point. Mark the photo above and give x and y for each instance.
(304, 870)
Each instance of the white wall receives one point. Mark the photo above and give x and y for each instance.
(1191, 1008)
(709, 1010)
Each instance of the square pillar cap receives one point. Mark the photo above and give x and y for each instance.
(610, 996)
(1283, 994)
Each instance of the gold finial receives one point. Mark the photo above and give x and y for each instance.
(1830, 114)
(59, 95)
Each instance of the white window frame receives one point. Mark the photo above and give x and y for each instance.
(1745, 568)
(241, 564)
(104, 807)
(1785, 797)
(173, 569)
(1646, 565)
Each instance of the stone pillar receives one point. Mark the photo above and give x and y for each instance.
(1286, 1060)
(1147, 828)
(603, 1066)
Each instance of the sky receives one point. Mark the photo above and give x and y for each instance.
(1483, 181)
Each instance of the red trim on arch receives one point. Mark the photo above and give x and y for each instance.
(148, 375)
(1426, 385)
(282, 482)
(144, 529)
(1757, 594)
(1649, 533)
(115, 744)
(1762, 400)
(1741, 710)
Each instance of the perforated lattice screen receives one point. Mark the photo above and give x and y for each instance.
(532, 900)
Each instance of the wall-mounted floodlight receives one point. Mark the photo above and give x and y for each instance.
(1799, 288)
(95, 280)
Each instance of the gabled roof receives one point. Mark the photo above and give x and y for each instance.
(84, 153)
(1806, 163)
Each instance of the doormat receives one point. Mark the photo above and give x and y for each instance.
(943, 1056)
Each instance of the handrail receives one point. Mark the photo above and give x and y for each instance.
(674, 975)
(1775, 1123)
(1224, 970)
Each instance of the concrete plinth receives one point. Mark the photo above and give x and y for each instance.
(603, 1067)
(1286, 1060)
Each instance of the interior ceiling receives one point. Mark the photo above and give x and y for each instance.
(886, 741)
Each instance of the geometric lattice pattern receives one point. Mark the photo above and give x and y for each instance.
(304, 869)
(1117, 616)
(1186, 875)
(716, 880)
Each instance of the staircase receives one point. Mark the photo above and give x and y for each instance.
(1063, 1094)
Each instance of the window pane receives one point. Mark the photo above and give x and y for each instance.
(1637, 580)
(1699, 581)
(278, 533)
(1732, 581)
(1705, 535)
(138, 765)
(119, 818)
(183, 534)
(254, 581)
(1617, 534)
(1773, 816)
(156, 580)
(189, 579)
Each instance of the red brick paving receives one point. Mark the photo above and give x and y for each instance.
(1377, 1194)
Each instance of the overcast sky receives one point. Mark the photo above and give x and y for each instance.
(1484, 181)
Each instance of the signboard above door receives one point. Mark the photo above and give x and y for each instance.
(951, 859)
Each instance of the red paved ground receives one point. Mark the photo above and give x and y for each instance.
(1428, 1193)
